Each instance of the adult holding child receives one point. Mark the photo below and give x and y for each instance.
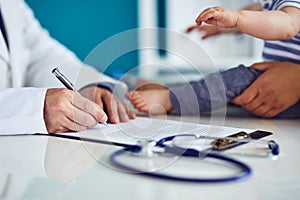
(266, 89)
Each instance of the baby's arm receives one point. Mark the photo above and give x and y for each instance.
(264, 25)
(209, 31)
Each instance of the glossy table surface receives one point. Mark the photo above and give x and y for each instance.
(42, 167)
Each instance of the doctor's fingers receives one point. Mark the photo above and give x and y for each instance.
(82, 118)
(117, 111)
(125, 112)
(86, 109)
(111, 108)
(68, 119)
(69, 125)
(61, 123)
(123, 115)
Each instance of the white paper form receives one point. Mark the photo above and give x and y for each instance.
(143, 128)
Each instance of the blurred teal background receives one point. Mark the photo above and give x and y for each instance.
(82, 25)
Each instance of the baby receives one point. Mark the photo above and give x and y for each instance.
(278, 25)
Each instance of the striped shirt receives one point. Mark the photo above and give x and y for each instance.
(281, 50)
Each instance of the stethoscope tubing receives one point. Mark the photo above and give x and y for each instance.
(245, 170)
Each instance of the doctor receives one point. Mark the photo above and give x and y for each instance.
(31, 99)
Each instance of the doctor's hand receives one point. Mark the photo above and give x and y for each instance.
(274, 91)
(116, 110)
(64, 110)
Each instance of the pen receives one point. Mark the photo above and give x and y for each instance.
(66, 82)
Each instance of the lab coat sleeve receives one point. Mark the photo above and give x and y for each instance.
(22, 106)
(23, 110)
(47, 53)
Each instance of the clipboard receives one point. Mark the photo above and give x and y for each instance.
(222, 145)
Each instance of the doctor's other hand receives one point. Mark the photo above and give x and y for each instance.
(116, 110)
(274, 91)
(64, 110)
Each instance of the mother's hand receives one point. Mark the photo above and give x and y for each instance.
(274, 91)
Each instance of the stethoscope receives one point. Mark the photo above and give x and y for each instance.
(162, 146)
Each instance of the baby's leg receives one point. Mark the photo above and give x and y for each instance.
(153, 101)
(142, 84)
(213, 92)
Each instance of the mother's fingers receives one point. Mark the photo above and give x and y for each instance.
(272, 112)
(263, 66)
(261, 110)
(248, 96)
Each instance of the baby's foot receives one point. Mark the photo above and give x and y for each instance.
(143, 84)
(151, 101)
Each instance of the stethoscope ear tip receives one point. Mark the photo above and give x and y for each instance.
(274, 147)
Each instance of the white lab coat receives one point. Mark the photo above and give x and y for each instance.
(31, 57)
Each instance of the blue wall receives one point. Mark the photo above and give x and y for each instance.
(82, 24)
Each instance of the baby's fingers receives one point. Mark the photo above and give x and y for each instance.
(191, 28)
(207, 14)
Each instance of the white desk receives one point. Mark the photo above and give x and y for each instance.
(22, 175)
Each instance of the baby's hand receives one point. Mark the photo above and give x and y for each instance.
(218, 16)
(208, 31)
